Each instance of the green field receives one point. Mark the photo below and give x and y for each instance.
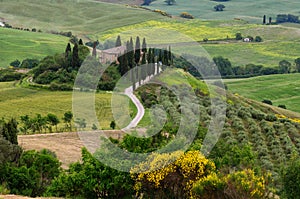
(16, 44)
(280, 89)
(248, 10)
(82, 17)
(279, 41)
(16, 101)
(97, 20)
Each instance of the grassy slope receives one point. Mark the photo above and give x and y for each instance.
(16, 101)
(96, 20)
(249, 10)
(280, 89)
(81, 17)
(279, 41)
(16, 44)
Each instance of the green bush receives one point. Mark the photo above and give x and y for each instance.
(291, 180)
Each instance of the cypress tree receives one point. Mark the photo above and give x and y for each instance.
(270, 20)
(264, 19)
(75, 57)
(160, 56)
(130, 52)
(68, 50)
(170, 58)
(143, 69)
(137, 50)
(165, 58)
(144, 45)
(118, 41)
(123, 65)
(149, 59)
(94, 53)
(143, 58)
(153, 61)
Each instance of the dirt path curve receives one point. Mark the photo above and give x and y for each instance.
(139, 106)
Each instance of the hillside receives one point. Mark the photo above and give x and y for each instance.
(105, 21)
(81, 17)
(247, 10)
(272, 137)
(280, 89)
(16, 101)
(17, 44)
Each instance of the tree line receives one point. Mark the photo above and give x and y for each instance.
(40, 124)
(144, 61)
(227, 70)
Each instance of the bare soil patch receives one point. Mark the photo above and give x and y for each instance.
(67, 146)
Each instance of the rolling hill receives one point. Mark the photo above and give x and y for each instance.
(281, 89)
(16, 101)
(92, 20)
(81, 17)
(247, 10)
(17, 44)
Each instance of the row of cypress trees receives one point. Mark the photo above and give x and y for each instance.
(142, 59)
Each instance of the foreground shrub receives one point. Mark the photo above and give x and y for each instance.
(171, 175)
(291, 179)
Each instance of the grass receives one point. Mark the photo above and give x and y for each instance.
(178, 77)
(16, 44)
(17, 101)
(249, 10)
(105, 21)
(280, 89)
(83, 17)
(280, 42)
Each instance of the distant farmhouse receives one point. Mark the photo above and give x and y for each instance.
(2, 22)
(112, 54)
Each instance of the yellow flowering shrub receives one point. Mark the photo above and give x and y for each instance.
(210, 186)
(171, 175)
(241, 184)
(295, 120)
(245, 184)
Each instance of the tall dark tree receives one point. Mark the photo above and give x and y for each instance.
(165, 57)
(170, 56)
(118, 41)
(153, 57)
(94, 52)
(144, 69)
(123, 64)
(68, 50)
(137, 50)
(75, 57)
(80, 42)
(149, 60)
(137, 57)
(270, 20)
(264, 19)
(130, 52)
(144, 45)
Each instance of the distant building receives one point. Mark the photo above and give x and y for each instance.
(112, 54)
(247, 40)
